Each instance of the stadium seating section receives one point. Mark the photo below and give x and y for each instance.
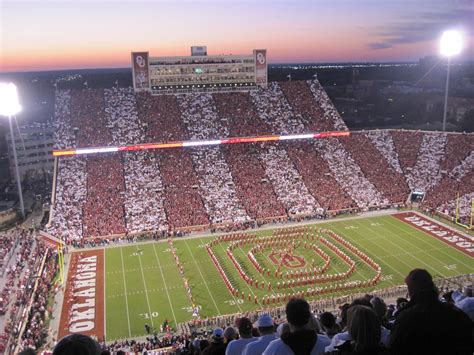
(232, 187)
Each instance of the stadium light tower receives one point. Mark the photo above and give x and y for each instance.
(9, 106)
(450, 44)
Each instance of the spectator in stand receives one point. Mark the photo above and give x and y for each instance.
(301, 339)
(203, 344)
(195, 347)
(217, 346)
(235, 347)
(464, 303)
(266, 327)
(230, 334)
(282, 329)
(328, 324)
(380, 309)
(364, 329)
(428, 326)
(341, 338)
(77, 344)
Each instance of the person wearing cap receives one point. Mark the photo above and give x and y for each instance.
(236, 347)
(301, 339)
(217, 346)
(230, 334)
(428, 326)
(266, 327)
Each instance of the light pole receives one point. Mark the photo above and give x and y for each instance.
(9, 106)
(450, 44)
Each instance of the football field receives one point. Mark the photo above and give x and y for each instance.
(143, 283)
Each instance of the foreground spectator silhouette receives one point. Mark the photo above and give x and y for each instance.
(428, 326)
(77, 344)
(301, 339)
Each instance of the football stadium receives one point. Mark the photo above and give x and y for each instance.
(206, 194)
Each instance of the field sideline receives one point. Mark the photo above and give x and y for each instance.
(144, 286)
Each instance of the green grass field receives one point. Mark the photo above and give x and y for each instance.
(144, 286)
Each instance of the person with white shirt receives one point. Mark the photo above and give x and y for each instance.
(266, 327)
(236, 347)
(301, 339)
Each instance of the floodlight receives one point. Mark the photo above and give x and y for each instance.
(451, 43)
(9, 105)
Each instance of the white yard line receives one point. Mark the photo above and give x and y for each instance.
(126, 298)
(403, 250)
(235, 299)
(164, 283)
(202, 276)
(146, 291)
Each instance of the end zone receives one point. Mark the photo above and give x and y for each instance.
(83, 304)
(449, 236)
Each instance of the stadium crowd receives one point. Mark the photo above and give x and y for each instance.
(105, 193)
(67, 215)
(428, 321)
(229, 187)
(426, 172)
(182, 202)
(216, 185)
(389, 182)
(407, 144)
(326, 105)
(250, 179)
(64, 137)
(349, 175)
(36, 333)
(383, 141)
(273, 109)
(307, 106)
(25, 278)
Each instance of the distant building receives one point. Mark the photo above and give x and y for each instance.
(199, 72)
(33, 149)
(360, 90)
(457, 106)
(402, 87)
(429, 61)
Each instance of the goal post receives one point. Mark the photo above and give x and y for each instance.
(61, 262)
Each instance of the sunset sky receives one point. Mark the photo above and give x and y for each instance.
(48, 35)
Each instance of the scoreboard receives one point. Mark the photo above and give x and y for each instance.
(199, 72)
